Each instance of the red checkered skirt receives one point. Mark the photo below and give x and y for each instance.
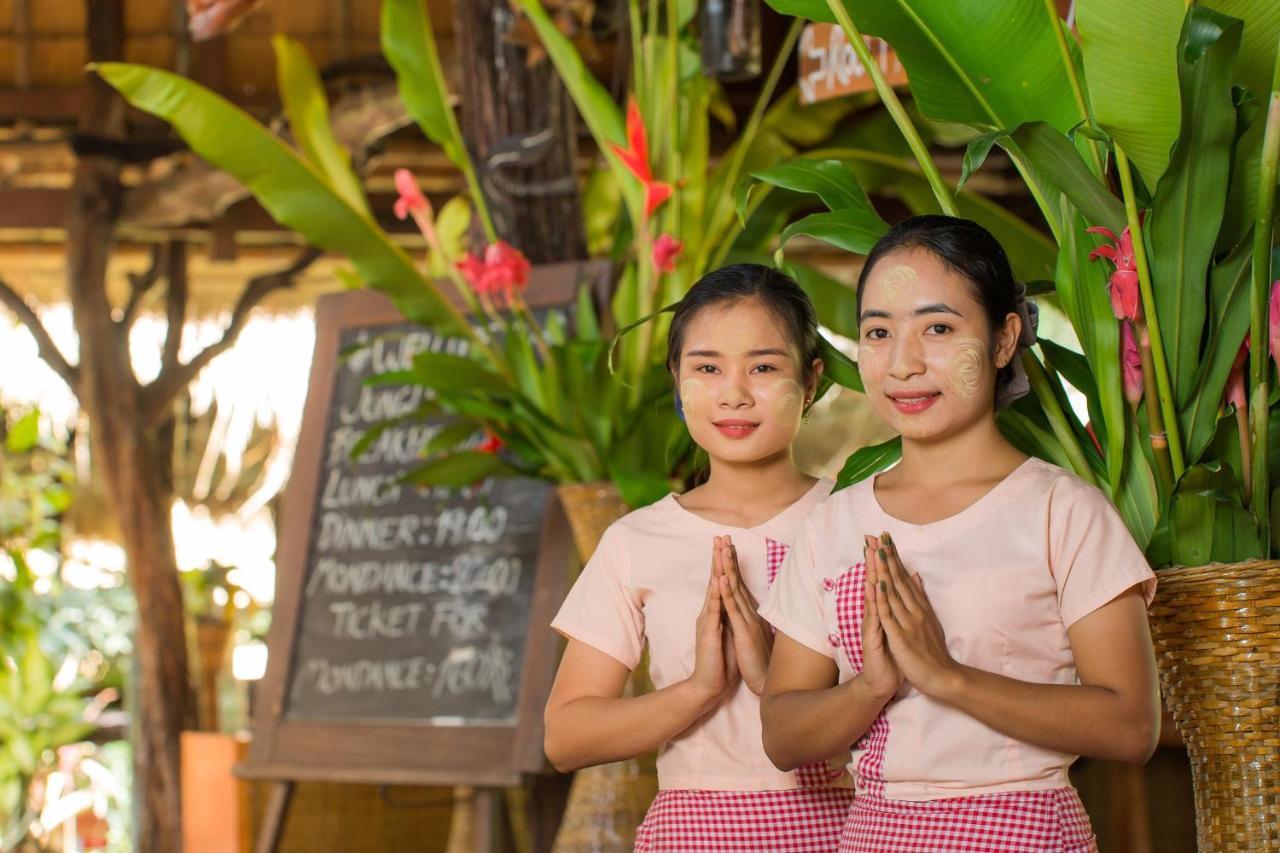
(1051, 821)
(797, 820)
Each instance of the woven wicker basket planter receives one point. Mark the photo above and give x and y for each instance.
(1217, 637)
(608, 802)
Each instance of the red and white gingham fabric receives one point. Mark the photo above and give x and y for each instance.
(817, 774)
(1013, 822)
(798, 820)
(1017, 822)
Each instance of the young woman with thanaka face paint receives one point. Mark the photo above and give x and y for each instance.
(683, 577)
(970, 620)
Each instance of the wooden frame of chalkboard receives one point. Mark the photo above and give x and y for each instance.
(394, 751)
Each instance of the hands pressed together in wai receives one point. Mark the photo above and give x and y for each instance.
(902, 639)
(732, 641)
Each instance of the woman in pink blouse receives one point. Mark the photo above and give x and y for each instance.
(972, 619)
(683, 576)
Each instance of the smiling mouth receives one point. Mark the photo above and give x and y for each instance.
(913, 403)
(736, 429)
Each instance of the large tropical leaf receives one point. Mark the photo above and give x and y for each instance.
(838, 367)
(460, 469)
(1130, 61)
(830, 180)
(410, 47)
(1057, 163)
(1229, 294)
(1254, 69)
(1206, 521)
(852, 230)
(1188, 205)
(288, 187)
(308, 112)
(868, 462)
(986, 63)
(1081, 287)
(835, 302)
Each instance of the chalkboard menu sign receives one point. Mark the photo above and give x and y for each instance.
(416, 601)
(410, 640)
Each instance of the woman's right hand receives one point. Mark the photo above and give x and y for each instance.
(715, 668)
(880, 673)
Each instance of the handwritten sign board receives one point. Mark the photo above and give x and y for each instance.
(410, 640)
(829, 68)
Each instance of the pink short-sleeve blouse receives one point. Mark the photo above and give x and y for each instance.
(645, 585)
(1007, 577)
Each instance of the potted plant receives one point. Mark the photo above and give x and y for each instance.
(1160, 198)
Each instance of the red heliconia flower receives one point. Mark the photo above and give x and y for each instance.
(1130, 364)
(666, 251)
(636, 158)
(502, 271)
(1126, 302)
(209, 18)
(490, 444)
(1234, 394)
(1273, 321)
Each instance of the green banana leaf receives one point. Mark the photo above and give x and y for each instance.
(457, 470)
(307, 110)
(1254, 70)
(1187, 209)
(830, 180)
(1057, 163)
(839, 368)
(410, 47)
(835, 302)
(1130, 61)
(985, 63)
(287, 186)
(1206, 520)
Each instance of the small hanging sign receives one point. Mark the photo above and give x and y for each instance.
(829, 68)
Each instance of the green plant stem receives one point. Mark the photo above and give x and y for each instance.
(1259, 396)
(1077, 91)
(1162, 388)
(749, 131)
(1155, 419)
(890, 100)
(1040, 384)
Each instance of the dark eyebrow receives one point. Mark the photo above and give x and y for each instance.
(935, 308)
(755, 353)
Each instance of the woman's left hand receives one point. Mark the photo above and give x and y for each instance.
(915, 635)
(752, 637)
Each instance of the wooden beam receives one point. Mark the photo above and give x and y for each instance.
(22, 34)
(40, 105)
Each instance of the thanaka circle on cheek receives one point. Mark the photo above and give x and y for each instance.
(966, 366)
(787, 404)
(693, 396)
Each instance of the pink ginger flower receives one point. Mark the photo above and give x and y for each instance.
(1130, 364)
(413, 203)
(207, 19)
(503, 271)
(1234, 394)
(1273, 321)
(666, 251)
(1126, 302)
(635, 157)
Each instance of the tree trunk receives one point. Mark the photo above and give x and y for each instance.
(130, 457)
(520, 125)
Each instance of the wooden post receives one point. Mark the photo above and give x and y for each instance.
(272, 829)
(520, 125)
